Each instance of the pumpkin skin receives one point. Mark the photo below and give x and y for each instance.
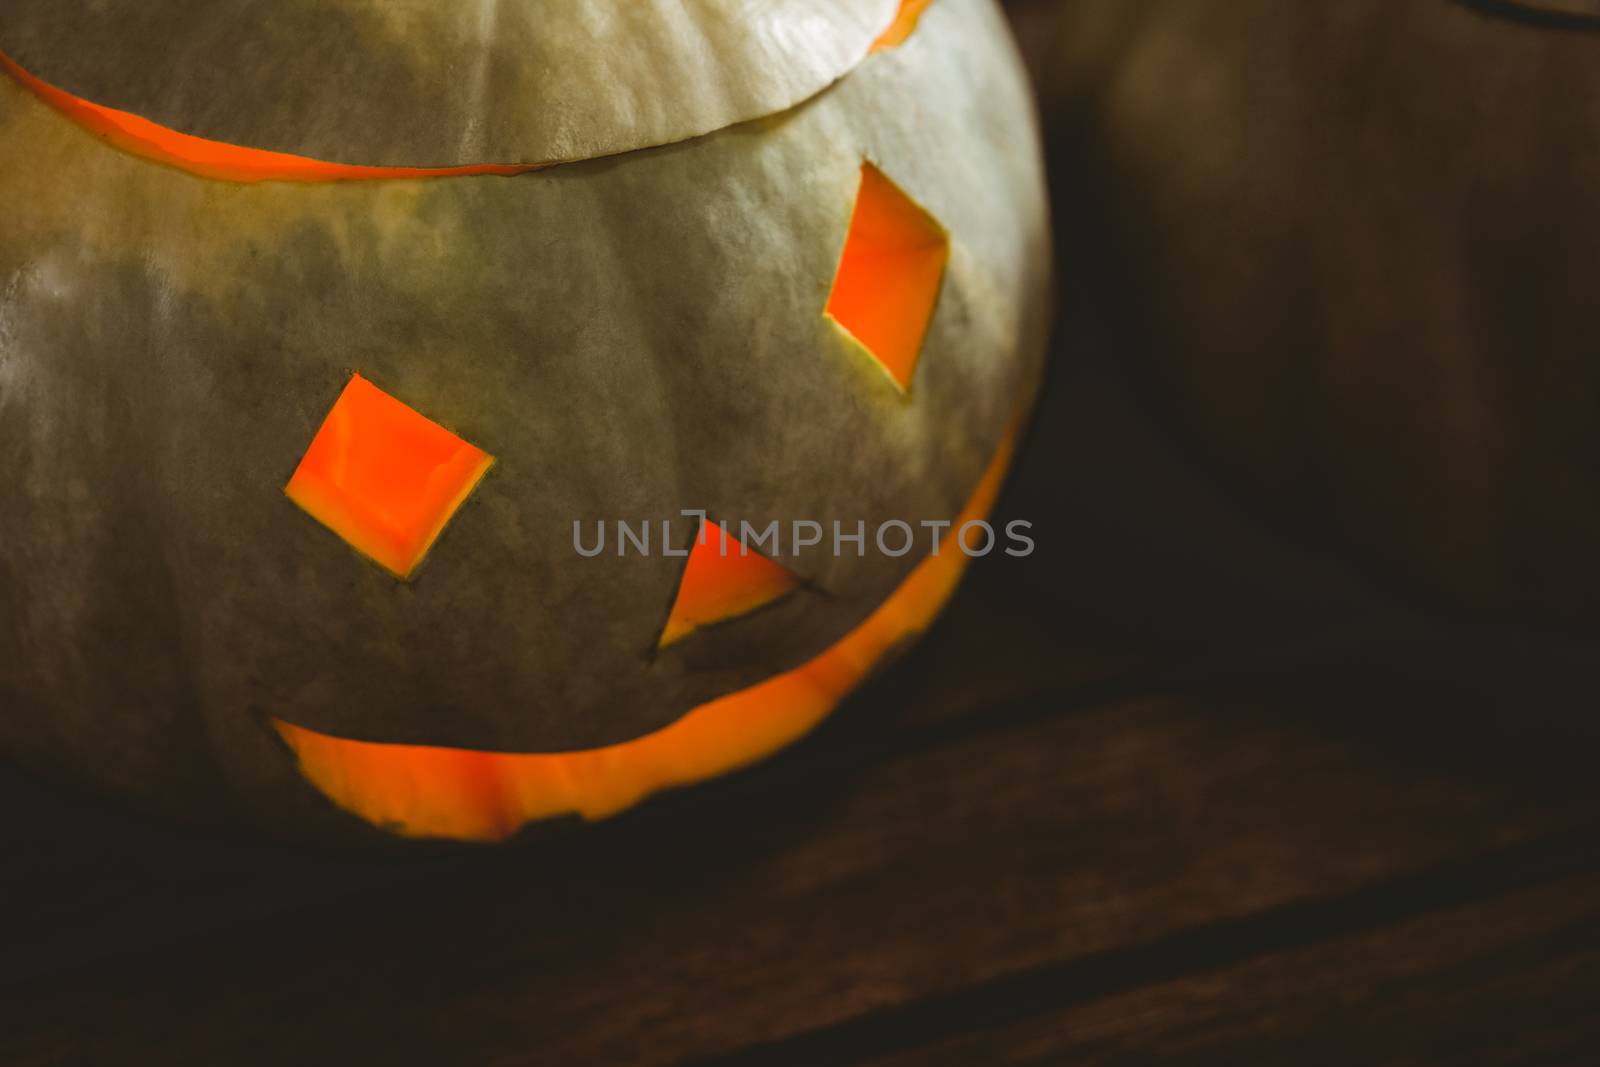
(1355, 245)
(627, 337)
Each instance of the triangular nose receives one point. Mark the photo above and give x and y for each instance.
(722, 580)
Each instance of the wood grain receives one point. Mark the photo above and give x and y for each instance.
(1506, 980)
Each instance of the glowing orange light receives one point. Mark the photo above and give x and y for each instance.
(385, 478)
(215, 159)
(420, 791)
(905, 21)
(889, 275)
(722, 580)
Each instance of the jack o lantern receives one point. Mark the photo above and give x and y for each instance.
(1356, 244)
(333, 344)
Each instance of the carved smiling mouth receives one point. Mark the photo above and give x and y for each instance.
(469, 795)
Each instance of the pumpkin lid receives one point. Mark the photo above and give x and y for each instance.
(443, 83)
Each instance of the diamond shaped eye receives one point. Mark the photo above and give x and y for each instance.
(384, 477)
(889, 275)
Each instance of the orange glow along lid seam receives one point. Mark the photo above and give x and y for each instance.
(905, 22)
(217, 159)
(222, 161)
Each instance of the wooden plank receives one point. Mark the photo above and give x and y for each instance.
(1513, 979)
(737, 920)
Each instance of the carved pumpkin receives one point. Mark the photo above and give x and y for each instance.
(329, 342)
(1357, 244)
